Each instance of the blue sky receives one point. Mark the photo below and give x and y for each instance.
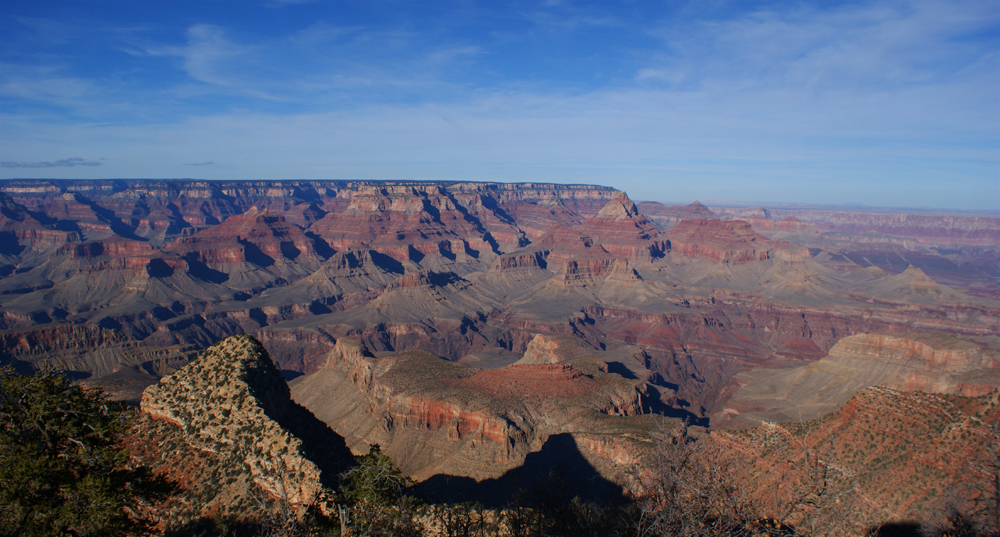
(887, 103)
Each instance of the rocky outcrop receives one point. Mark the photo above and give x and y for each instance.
(21, 229)
(406, 223)
(551, 349)
(926, 362)
(423, 278)
(529, 260)
(232, 404)
(115, 247)
(255, 236)
(591, 271)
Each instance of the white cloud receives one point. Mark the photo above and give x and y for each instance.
(208, 52)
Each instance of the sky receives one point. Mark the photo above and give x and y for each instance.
(891, 103)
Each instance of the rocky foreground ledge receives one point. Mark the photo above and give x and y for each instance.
(225, 428)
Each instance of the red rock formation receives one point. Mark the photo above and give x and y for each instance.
(405, 223)
(723, 242)
(536, 208)
(927, 362)
(530, 260)
(530, 381)
(546, 349)
(605, 281)
(589, 271)
(433, 416)
(115, 247)
(18, 228)
(933, 362)
(227, 243)
(624, 232)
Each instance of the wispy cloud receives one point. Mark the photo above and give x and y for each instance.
(62, 163)
(208, 52)
(207, 163)
(876, 45)
(46, 84)
(209, 55)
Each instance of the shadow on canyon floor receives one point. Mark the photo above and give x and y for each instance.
(895, 529)
(557, 470)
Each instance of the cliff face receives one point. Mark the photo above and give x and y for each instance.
(624, 232)
(232, 406)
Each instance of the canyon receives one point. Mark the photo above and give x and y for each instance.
(470, 272)
(463, 327)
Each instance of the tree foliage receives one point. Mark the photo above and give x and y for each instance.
(63, 470)
(373, 499)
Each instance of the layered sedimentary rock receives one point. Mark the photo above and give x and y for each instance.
(624, 232)
(95, 356)
(22, 229)
(232, 407)
(955, 249)
(471, 272)
(270, 233)
(472, 328)
(405, 223)
(725, 242)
